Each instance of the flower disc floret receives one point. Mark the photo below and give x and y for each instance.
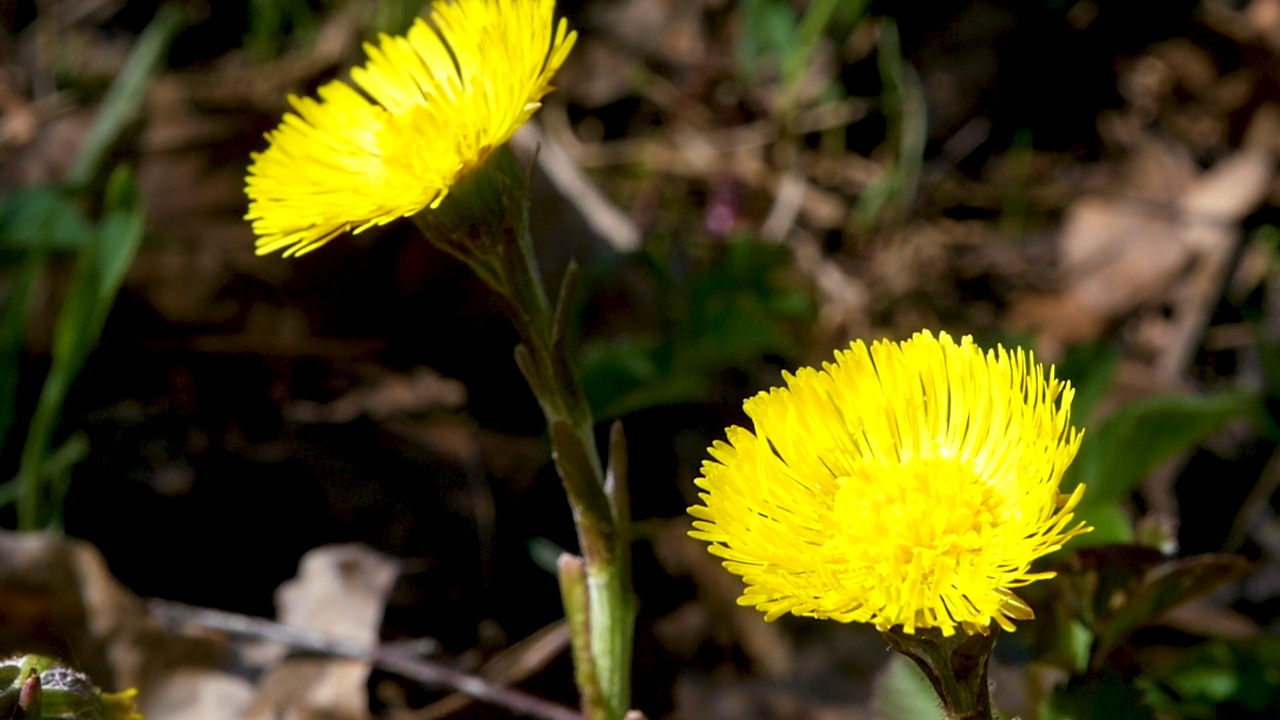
(906, 484)
(435, 103)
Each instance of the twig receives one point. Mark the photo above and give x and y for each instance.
(787, 204)
(394, 661)
(510, 666)
(1255, 509)
(600, 214)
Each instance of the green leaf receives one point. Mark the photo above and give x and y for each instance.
(1138, 437)
(1099, 579)
(1220, 679)
(904, 693)
(1214, 684)
(625, 375)
(891, 196)
(612, 367)
(127, 92)
(729, 312)
(57, 467)
(809, 32)
(1090, 368)
(1110, 522)
(1078, 641)
(42, 218)
(99, 270)
(1161, 589)
(119, 235)
(769, 30)
(673, 390)
(1059, 635)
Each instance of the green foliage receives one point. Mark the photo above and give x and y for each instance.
(1157, 591)
(725, 314)
(902, 99)
(1267, 238)
(33, 222)
(44, 218)
(1140, 436)
(769, 29)
(106, 252)
(1019, 160)
(1086, 616)
(772, 33)
(126, 95)
(40, 222)
(1100, 696)
(1215, 679)
(1220, 679)
(272, 22)
(1119, 452)
(1091, 368)
(1111, 583)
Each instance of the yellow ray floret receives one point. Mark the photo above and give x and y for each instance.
(906, 484)
(435, 103)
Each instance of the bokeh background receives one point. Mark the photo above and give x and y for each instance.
(747, 186)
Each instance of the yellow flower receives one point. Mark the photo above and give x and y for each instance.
(444, 96)
(905, 484)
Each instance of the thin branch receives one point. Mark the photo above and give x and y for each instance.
(393, 661)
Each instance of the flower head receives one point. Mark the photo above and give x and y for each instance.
(906, 484)
(435, 103)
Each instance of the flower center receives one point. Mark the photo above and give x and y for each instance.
(416, 153)
(915, 531)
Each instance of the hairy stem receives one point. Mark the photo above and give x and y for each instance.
(484, 223)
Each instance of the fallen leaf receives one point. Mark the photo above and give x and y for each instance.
(341, 591)
(421, 389)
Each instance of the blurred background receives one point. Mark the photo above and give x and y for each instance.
(747, 186)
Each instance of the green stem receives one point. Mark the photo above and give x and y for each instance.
(613, 615)
(484, 223)
(576, 599)
(36, 448)
(956, 667)
(610, 602)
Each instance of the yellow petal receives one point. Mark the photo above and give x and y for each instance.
(435, 103)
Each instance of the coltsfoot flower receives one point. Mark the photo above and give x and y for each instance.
(435, 103)
(907, 484)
